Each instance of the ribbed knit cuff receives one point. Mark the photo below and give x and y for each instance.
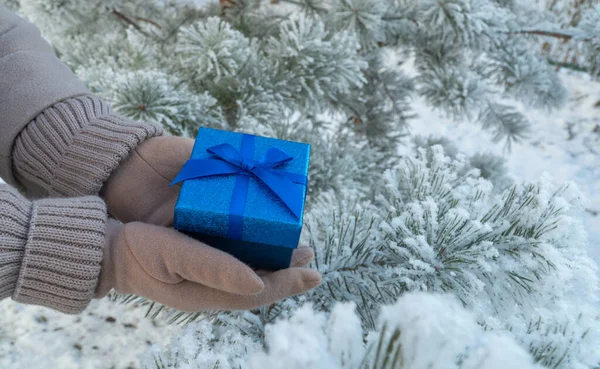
(51, 250)
(15, 213)
(71, 148)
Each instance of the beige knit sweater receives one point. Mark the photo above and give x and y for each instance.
(58, 145)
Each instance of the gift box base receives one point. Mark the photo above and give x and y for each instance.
(256, 255)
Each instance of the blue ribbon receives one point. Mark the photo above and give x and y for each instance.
(227, 161)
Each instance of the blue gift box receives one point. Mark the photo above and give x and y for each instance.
(245, 195)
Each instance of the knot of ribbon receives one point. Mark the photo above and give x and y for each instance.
(229, 161)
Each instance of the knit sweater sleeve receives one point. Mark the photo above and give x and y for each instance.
(51, 250)
(57, 138)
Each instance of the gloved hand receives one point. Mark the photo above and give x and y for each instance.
(171, 268)
(139, 189)
(167, 266)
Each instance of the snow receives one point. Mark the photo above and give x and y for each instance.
(439, 334)
(200, 3)
(36, 337)
(106, 335)
(331, 340)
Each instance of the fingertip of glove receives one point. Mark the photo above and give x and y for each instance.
(259, 285)
(305, 280)
(250, 284)
(312, 278)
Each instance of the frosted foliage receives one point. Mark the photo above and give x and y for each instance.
(382, 115)
(516, 257)
(343, 167)
(213, 49)
(589, 24)
(344, 336)
(436, 332)
(311, 340)
(455, 234)
(562, 339)
(463, 21)
(590, 27)
(56, 17)
(505, 121)
(568, 12)
(310, 63)
(428, 142)
(362, 18)
(154, 97)
(529, 78)
(258, 60)
(202, 345)
(577, 20)
(151, 96)
(455, 91)
(493, 168)
(418, 331)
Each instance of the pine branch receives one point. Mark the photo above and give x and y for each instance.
(129, 21)
(571, 66)
(554, 34)
(149, 21)
(227, 3)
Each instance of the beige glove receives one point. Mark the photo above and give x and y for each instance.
(171, 268)
(138, 191)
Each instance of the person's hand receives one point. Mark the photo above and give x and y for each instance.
(138, 191)
(171, 268)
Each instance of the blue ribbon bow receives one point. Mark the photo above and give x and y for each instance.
(227, 161)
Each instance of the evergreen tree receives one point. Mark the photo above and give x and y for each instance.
(341, 74)
(313, 56)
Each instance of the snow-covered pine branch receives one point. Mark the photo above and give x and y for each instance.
(571, 39)
(418, 331)
(258, 60)
(590, 33)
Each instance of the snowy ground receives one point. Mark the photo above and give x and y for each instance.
(112, 336)
(106, 336)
